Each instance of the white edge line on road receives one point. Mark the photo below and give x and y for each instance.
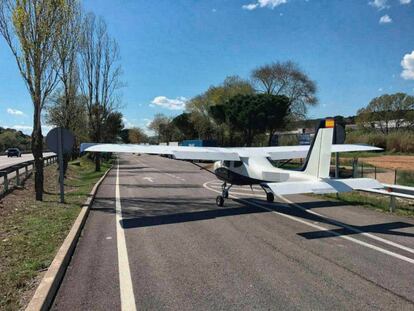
(338, 223)
(125, 281)
(379, 249)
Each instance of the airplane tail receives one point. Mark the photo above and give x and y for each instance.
(318, 160)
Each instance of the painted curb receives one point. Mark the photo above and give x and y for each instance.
(46, 291)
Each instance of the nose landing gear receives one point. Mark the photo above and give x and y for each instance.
(224, 195)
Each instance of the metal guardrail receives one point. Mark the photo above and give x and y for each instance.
(394, 191)
(7, 172)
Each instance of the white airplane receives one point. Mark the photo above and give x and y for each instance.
(251, 165)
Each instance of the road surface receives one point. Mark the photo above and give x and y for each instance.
(5, 161)
(172, 248)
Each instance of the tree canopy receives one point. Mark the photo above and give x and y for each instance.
(387, 111)
(252, 114)
(287, 78)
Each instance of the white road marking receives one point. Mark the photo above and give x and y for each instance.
(374, 247)
(374, 237)
(150, 179)
(155, 169)
(125, 281)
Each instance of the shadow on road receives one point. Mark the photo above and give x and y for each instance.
(292, 210)
(146, 212)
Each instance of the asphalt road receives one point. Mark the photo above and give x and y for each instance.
(172, 248)
(5, 161)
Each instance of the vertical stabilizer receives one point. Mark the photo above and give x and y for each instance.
(318, 160)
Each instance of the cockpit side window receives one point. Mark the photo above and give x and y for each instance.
(226, 163)
(237, 163)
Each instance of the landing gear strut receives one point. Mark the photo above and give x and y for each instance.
(224, 194)
(270, 197)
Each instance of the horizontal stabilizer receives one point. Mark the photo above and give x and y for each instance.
(323, 186)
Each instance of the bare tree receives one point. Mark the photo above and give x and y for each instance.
(100, 74)
(67, 54)
(32, 30)
(137, 136)
(68, 114)
(161, 126)
(289, 80)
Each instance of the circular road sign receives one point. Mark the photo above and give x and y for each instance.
(67, 140)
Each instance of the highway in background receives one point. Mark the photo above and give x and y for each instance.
(5, 161)
(155, 239)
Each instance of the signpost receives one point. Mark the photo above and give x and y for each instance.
(60, 141)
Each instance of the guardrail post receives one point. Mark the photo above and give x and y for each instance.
(392, 203)
(17, 177)
(375, 172)
(354, 168)
(5, 183)
(395, 177)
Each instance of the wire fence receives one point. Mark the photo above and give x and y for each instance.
(358, 169)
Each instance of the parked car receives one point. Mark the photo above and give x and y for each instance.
(13, 152)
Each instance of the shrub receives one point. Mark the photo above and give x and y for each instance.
(397, 141)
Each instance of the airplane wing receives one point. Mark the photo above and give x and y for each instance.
(325, 185)
(217, 153)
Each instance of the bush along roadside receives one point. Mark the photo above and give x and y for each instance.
(31, 232)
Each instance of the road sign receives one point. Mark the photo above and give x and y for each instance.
(60, 141)
(52, 140)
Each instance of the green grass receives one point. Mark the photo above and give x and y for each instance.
(31, 232)
(405, 178)
(372, 201)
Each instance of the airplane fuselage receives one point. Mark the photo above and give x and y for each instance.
(253, 171)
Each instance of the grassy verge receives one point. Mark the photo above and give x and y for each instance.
(31, 232)
(405, 178)
(372, 201)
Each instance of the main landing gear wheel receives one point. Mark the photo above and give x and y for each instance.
(270, 197)
(220, 201)
(224, 194)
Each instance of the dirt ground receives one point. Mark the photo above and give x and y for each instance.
(391, 162)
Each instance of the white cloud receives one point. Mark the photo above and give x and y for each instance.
(15, 112)
(147, 121)
(271, 4)
(250, 6)
(127, 124)
(379, 4)
(385, 19)
(169, 103)
(408, 66)
(405, 1)
(27, 129)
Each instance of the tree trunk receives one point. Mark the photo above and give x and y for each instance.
(37, 151)
(98, 140)
(97, 162)
(269, 142)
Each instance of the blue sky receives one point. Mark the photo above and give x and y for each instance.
(173, 50)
